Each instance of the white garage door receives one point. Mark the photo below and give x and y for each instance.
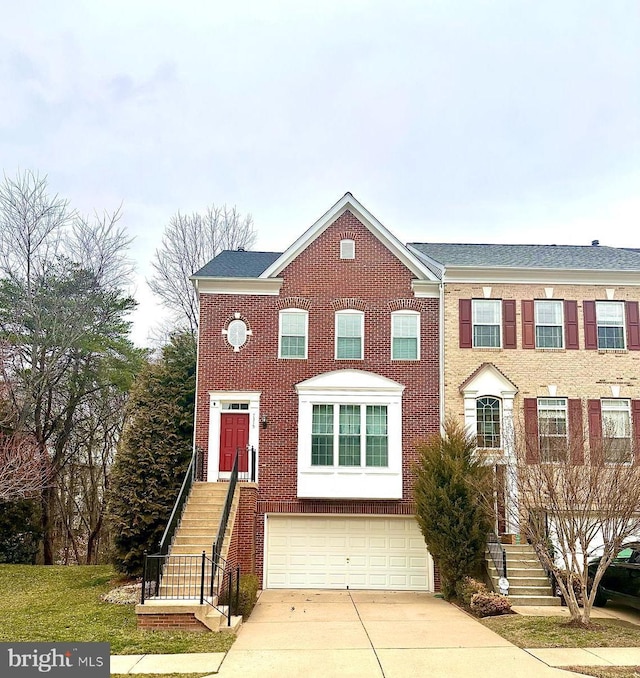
(346, 552)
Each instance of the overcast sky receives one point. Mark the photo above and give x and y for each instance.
(450, 120)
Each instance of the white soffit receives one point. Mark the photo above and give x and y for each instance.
(476, 274)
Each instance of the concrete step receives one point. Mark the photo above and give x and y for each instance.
(197, 521)
(518, 571)
(203, 499)
(516, 548)
(529, 590)
(534, 600)
(197, 531)
(525, 581)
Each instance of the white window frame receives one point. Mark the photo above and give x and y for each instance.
(292, 311)
(609, 431)
(553, 405)
(599, 306)
(342, 314)
(363, 435)
(478, 422)
(349, 387)
(475, 304)
(405, 314)
(538, 303)
(347, 249)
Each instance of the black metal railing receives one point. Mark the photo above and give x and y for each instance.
(249, 476)
(226, 511)
(191, 577)
(176, 513)
(498, 554)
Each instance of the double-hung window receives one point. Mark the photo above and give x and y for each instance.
(549, 323)
(616, 430)
(610, 322)
(488, 422)
(358, 433)
(486, 319)
(405, 335)
(293, 333)
(349, 335)
(552, 429)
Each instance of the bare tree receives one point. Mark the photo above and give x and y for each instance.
(575, 506)
(188, 243)
(63, 324)
(24, 471)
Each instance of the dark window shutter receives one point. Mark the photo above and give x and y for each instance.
(590, 327)
(528, 324)
(509, 323)
(571, 324)
(635, 417)
(532, 443)
(576, 431)
(633, 326)
(594, 415)
(466, 340)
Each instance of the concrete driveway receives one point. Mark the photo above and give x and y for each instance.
(365, 634)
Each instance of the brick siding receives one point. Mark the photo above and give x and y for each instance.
(318, 280)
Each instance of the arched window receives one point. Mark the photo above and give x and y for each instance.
(488, 422)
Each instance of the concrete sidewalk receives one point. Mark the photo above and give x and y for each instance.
(365, 634)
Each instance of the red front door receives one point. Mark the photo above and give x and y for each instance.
(234, 435)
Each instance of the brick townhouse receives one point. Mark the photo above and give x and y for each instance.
(324, 360)
(541, 341)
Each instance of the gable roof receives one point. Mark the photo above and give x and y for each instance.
(485, 370)
(568, 257)
(413, 262)
(237, 264)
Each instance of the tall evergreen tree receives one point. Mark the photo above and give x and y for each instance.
(153, 454)
(453, 492)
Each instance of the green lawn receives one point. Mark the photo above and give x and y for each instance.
(532, 632)
(63, 604)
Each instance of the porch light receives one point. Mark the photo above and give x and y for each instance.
(263, 421)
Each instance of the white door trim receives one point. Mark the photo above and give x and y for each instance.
(216, 401)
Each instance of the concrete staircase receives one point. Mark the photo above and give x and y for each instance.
(528, 583)
(181, 578)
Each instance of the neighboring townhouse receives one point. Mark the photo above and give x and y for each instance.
(541, 341)
(323, 363)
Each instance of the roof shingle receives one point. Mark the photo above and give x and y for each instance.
(570, 257)
(237, 264)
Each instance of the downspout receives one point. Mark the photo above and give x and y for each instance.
(195, 401)
(441, 342)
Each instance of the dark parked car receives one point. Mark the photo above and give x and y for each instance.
(621, 580)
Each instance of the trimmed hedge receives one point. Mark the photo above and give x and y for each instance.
(249, 586)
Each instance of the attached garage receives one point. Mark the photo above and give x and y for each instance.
(337, 552)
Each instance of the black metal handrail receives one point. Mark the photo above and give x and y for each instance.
(226, 511)
(192, 578)
(176, 513)
(250, 474)
(497, 553)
